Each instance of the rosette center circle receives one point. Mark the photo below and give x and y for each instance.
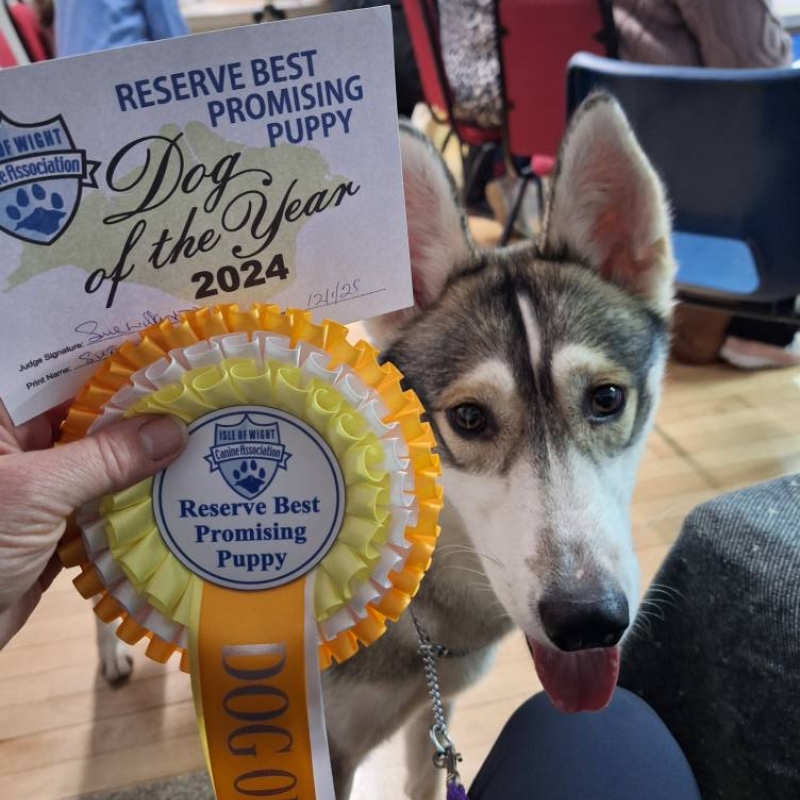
(255, 501)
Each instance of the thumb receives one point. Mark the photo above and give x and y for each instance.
(40, 489)
(110, 460)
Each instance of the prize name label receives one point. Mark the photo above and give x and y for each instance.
(255, 500)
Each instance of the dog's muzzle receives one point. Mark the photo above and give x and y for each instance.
(580, 664)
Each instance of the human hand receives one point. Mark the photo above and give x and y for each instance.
(41, 486)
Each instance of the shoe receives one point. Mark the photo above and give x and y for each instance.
(750, 354)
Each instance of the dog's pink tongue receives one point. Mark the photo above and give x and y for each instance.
(579, 681)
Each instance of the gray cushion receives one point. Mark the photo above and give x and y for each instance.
(717, 647)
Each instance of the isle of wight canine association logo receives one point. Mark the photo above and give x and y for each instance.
(247, 454)
(42, 175)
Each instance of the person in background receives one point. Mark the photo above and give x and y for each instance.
(734, 34)
(728, 34)
(470, 55)
(44, 15)
(84, 26)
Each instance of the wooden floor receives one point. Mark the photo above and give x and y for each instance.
(64, 732)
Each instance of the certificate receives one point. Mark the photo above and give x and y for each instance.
(249, 165)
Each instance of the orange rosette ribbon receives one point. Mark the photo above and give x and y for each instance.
(259, 590)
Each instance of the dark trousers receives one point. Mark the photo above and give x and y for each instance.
(622, 753)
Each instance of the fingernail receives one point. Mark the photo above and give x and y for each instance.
(162, 437)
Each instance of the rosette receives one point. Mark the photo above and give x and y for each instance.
(160, 557)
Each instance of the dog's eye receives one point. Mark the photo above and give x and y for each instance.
(605, 402)
(468, 419)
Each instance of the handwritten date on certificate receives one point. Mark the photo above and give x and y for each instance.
(338, 293)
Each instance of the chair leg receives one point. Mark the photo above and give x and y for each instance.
(511, 216)
(448, 136)
(540, 197)
(472, 166)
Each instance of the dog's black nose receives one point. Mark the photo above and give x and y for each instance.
(580, 621)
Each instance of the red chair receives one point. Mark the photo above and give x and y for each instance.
(422, 18)
(12, 51)
(28, 32)
(7, 57)
(537, 38)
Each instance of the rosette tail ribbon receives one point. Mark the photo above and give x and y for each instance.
(258, 694)
(255, 655)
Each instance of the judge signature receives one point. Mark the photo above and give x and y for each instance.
(95, 333)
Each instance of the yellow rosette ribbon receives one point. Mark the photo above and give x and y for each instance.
(255, 603)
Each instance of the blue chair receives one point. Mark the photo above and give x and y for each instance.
(727, 146)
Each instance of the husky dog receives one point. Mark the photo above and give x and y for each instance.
(540, 369)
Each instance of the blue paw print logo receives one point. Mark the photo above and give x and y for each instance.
(250, 477)
(37, 210)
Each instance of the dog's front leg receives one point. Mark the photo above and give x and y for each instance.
(116, 663)
(367, 700)
(344, 770)
(424, 780)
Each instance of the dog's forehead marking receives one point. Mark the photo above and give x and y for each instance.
(492, 377)
(574, 357)
(495, 373)
(533, 332)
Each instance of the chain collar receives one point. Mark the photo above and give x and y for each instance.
(446, 756)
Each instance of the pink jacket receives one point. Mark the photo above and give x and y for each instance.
(710, 33)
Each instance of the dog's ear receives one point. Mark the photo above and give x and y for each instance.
(608, 208)
(439, 240)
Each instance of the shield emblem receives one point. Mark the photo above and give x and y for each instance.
(43, 175)
(247, 455)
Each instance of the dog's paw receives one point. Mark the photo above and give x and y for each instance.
(116, 662)
(116, 665)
